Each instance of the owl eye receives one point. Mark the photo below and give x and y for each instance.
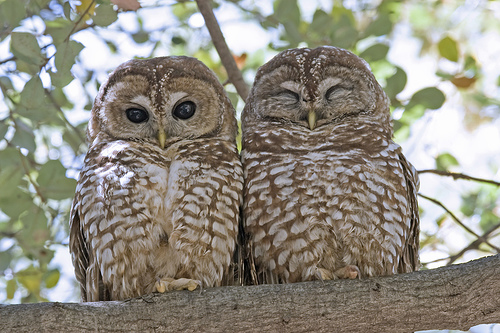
(137, 115)
(290, 94)
(185, 110)
(335, 90)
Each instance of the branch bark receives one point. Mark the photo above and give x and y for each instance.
(451, 297)
(220, 44)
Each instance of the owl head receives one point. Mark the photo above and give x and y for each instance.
(313, 88)
(161, 101)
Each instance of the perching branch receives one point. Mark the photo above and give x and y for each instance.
(451, 297)
(225, 55)
(457, 175)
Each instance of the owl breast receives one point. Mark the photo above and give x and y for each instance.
(331, 202)
(147, 217)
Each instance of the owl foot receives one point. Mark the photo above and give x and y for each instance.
(348, 272)
(169, 284)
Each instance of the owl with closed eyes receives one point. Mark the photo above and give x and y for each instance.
(157, 202)
(327, 193)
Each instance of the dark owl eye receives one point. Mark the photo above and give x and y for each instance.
(185, 110)
(137, 115)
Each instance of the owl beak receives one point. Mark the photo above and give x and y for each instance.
(311, 118)
(162, 137)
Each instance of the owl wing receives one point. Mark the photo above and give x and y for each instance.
(410, 260)
(78, 247)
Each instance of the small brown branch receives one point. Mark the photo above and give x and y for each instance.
(437, 202)
(63, 116)
(474, 245)
(220, 44)
(457, 175)
(450, 297)
(7, 60)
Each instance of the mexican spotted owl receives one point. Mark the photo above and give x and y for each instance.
(157, 203)
(327, 192)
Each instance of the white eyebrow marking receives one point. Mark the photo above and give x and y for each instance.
(328, 83)
(176, 96)
(292, 86)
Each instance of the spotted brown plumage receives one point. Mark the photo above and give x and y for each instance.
(157, 202)
(327, 192)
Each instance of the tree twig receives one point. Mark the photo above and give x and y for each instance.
(474, 245)
(457, 175)
(220, 44)
(437, 202)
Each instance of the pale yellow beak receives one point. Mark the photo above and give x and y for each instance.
(162, 137)
(311, 118)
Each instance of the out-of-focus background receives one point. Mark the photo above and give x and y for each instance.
(437, 61)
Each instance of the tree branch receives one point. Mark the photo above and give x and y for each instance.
(480, 238)
(474, 245)
(457, 175)
(225, 55)
(451, 297)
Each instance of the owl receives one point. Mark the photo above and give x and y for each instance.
(157, 202)
(327, 193)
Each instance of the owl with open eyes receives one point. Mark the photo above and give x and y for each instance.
(327, 193)
(157, 203)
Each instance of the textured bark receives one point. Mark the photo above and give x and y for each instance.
(453, 297)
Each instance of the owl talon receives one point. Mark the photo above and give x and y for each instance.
(169, 284)
(324, 274)
(348, 272)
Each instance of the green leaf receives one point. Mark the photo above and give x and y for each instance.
(66, 53)
(321, 22)
(33, 93)
(60, 79)
(59, 29)
(25, 47)
(53, 182)
(431, 98)
(11, 288)
(11, 13)
(104, 15)
(13, 201)
(381, 26)
(448, 49)
(30, 278)
(396, 83)
(375, 52)
(5, 258)
(445, 161)
(24, 137)
(344, 34)
(3, 129)
(287, 11)
(51, 278)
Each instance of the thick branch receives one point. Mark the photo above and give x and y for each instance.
(225, 55)
(452, 297)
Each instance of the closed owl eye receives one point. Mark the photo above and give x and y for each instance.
(289, 95)
(335, 90)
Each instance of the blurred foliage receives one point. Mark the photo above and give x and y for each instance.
(48, 83)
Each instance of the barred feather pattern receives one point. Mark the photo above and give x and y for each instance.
(157, 204)
(325, 198)
(144, 218)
